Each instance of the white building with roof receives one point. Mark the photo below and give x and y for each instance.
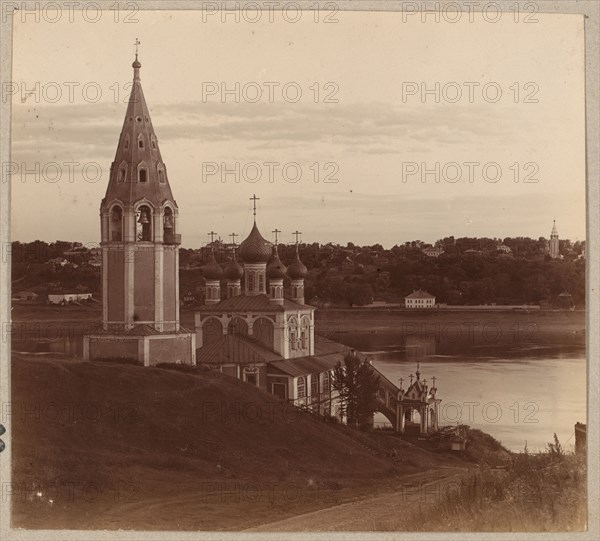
(419, 299)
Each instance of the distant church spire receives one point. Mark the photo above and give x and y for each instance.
(554, 244)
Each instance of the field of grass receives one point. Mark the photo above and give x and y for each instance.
(103, 445)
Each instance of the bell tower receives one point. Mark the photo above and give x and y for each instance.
(140, 245)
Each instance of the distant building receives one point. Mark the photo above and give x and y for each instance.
(565, 300)
(419, 299)
(189, 298)
(26, 296)
(66, 298)
(554, 246)
(57, 262)
(433, 252)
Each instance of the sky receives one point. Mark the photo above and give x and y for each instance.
(344, 104)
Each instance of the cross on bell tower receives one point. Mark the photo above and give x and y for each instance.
(233, 235)
(297, 235)
(276, 232)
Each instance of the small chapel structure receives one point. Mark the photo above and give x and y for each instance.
(419, 398)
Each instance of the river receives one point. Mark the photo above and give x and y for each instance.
(519, 393)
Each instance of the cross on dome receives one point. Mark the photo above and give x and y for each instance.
(254, 199)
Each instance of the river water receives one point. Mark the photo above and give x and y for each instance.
(519, 393)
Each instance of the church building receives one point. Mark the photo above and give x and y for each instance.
(248, 328)
(140, 251)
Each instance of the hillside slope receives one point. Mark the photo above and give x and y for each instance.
(118, 446)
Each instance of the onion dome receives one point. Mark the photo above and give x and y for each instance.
(297, 270)
(233, 270)
(136, 62)
(255, 249)
(276, 269)
(212, 270)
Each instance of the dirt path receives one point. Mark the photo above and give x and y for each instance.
(382, 512)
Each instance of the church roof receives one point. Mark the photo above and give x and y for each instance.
(276, 269)
(212, 270)
(252, 303)
(420, 294)
(255, 248)
(138, 150)
(327, 354)
(236, 349)
(233, 270)
(297, 269)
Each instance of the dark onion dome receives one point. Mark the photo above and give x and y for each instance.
(212, 270)
(233, 270)
(255, 249)
(276, 269)
(136, 63)
(297, 270)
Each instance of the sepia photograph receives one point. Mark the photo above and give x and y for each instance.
(273, 269)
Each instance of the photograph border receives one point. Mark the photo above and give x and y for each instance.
(589, 9)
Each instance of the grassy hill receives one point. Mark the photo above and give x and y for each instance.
(120, 446)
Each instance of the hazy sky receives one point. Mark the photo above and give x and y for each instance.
(368, 135)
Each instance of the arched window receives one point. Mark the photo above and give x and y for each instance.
(237, 326)
(140, 143)
(122, 174)
(153, 144)
(126, 145)
(168, 226)
(116, 224)
(211, 330)
(326, 382)
(144, 224)
(263, 331)
(143, 175)
(251, 281)
(161, 176)
(302, 387)
(261, 281)
(314, 385)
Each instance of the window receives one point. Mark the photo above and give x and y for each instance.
(143, 175)
(303, 339)
(141, 143)
(122, 174)
(116, 224)
(326, 383)
(153, 144)
(161, 176)
(301, 387)
(168, 226)
(293, 339)
(126, 146)
(261, 280)
(314, 385)
(250, 281)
